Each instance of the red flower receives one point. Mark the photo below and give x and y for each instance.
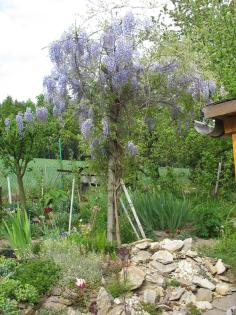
(47, 210)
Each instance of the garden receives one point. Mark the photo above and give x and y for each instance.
(111, 203)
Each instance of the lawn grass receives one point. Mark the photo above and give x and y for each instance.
(40, 170)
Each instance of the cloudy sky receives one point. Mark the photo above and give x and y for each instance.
(26, 28)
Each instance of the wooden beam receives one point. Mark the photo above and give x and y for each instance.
(219, 110)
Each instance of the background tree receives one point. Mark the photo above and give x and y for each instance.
(24, 129)
(110, 78)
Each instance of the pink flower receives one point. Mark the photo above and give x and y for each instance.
(80, 283)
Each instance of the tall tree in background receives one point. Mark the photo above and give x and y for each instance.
(23, 130)
(211, 26)
(110, 78)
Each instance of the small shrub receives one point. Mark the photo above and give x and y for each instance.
(193, 310)
(40, 273)
(151, 309)
(7, 266)
(8, 306)
(208, 220)
(8, 287)
(117, 288)
(26, 293)
(73, 264)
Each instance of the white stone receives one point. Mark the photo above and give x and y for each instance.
(141, 256)
(191, 253)
(156, 278)
(186, 269)
(204, 283)
(204, 305)
(134, 275)
(188, 298)
(222, 288)
(143, 244)
(204, 295)
(104, 301)
(220, 267)
(163, 256)
(163, 268)
(176, 294)
(171, 245)
(154, 246)
(188, 244)
(150, 296)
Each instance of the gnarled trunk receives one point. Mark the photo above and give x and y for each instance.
(21, 188)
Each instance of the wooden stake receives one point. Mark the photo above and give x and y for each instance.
(218, 176)
(9, 190)
(129, 219)
(71, 204)
(132, 208)
(118, 239)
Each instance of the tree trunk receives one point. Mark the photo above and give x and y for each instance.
(110, 199)
(21, 189)
(113, 229)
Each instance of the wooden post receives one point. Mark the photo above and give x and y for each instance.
(71, 204)
(9, 190)
(132, 208)
(230, 129)
(129, 219)
(218, 176)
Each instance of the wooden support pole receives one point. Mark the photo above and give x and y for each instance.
(129, 219)
(132, 208)
(234, 151)
(9, 190)
(71, 204)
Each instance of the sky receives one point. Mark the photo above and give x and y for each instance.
(27, 27)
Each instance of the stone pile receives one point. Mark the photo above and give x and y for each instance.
(170, 276)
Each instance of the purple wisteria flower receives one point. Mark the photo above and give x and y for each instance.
(86, 128)
(28, 115)
(132, 148)
(7, 122)
(150, 123)
(129, 23)
(42, 113)
(19, 122)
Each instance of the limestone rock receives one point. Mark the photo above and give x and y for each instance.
(211, 268)
(222, 288)
(163, 256)
(220, 268)
(203, 283)
(188, 298)
(104, 301)
(204, 305)
(116, 310)
(163, 269)
(150, 296)
(135, 277)
(142, 244)
(154, 247)
(188, 244)
(204, 295)
(171, 245)
(159, 280)
(176, 294)
(141, 256)
(191, 253)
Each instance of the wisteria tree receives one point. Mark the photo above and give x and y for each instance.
(113, 81)
(22, 134)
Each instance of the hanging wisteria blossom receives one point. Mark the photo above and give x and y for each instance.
(42, 113)
(132, 148)
(19, 122)
(28, 115)
(7, 122)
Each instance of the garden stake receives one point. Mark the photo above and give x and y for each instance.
(129, 219)
(71, 204)
(132, 208)
(218, 176)
(9, 190)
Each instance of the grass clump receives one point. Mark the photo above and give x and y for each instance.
(162, 211)
(117, 288)
(151, 309)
